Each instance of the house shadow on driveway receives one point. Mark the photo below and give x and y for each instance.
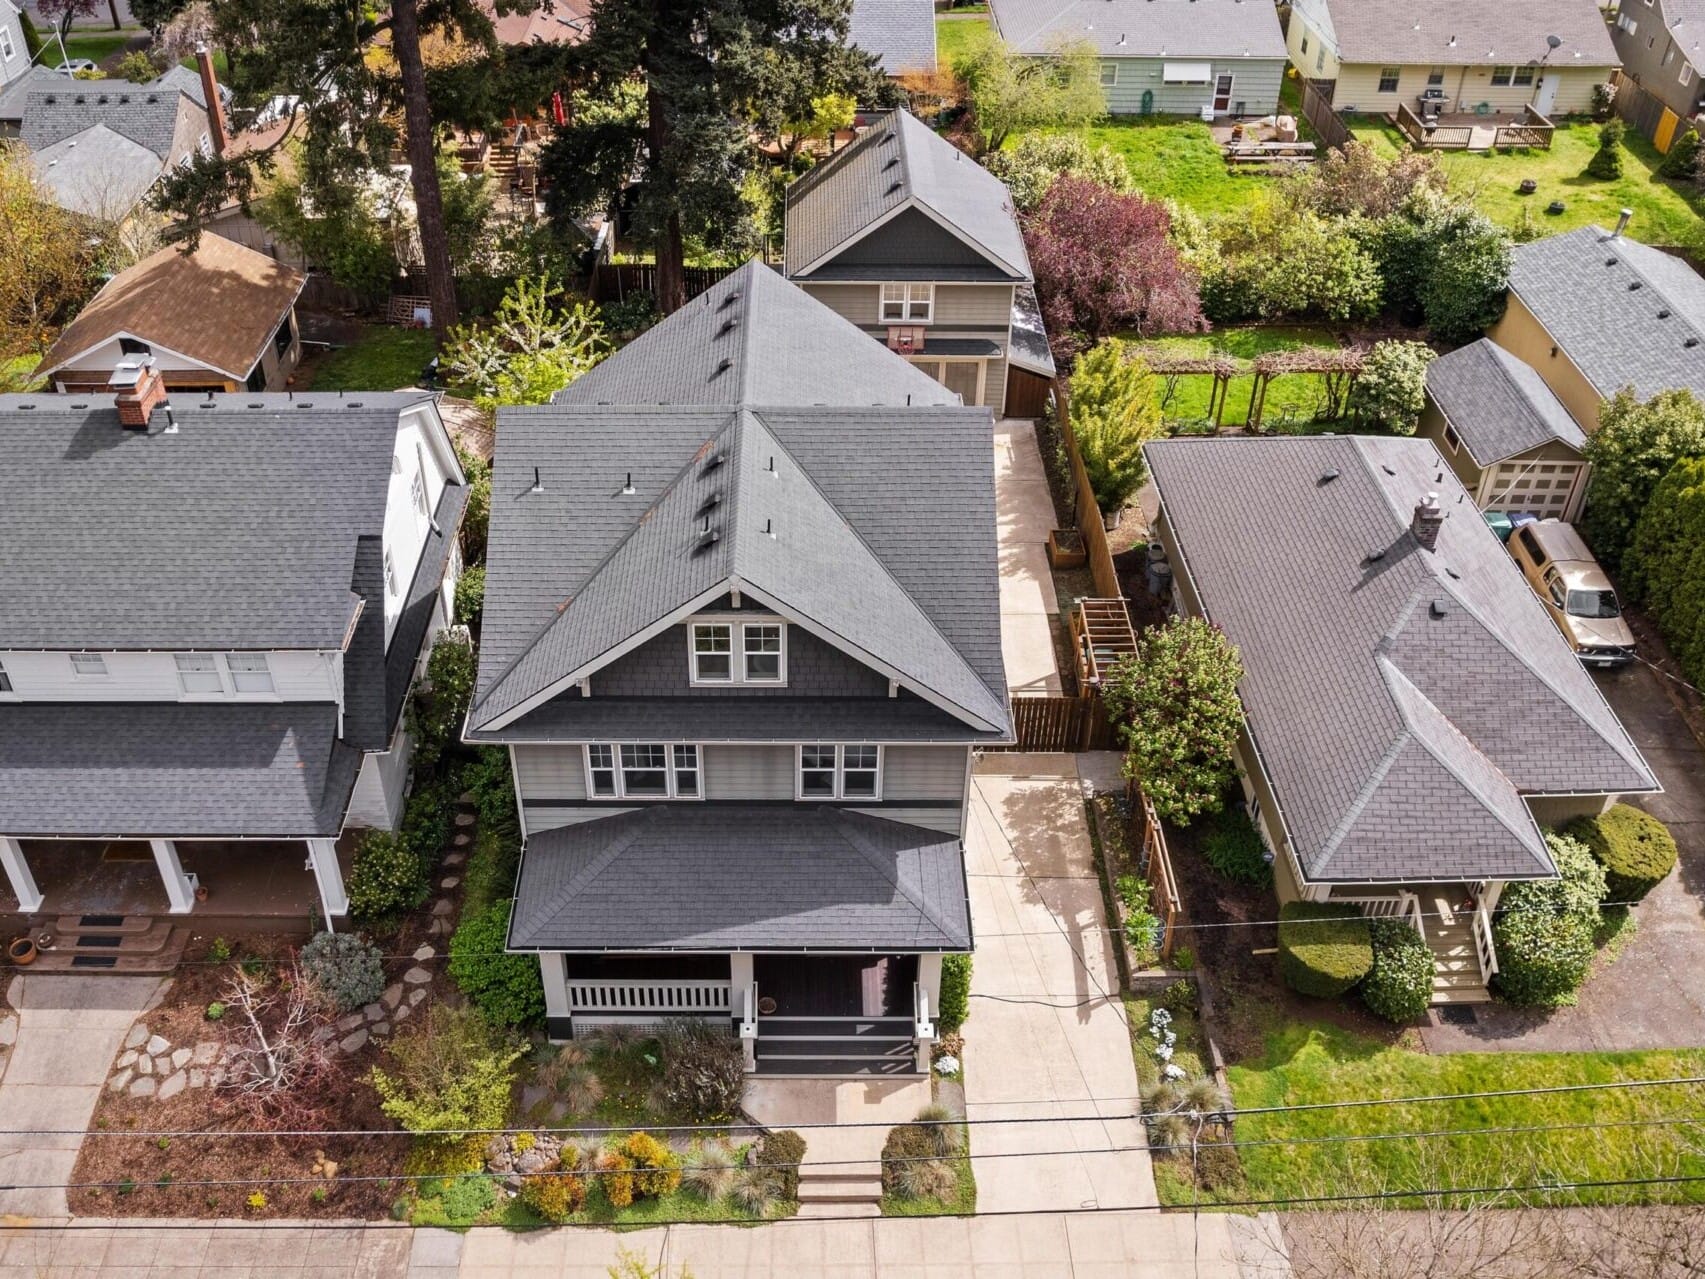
(1653, 994)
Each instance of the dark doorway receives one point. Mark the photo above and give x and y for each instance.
(837, 985)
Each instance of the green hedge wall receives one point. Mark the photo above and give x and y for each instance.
(1324, 949)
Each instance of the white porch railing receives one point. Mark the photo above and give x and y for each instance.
(1403, 905)
(1483, 948)
(660, 998)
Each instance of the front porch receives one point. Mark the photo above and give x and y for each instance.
(1454, 919)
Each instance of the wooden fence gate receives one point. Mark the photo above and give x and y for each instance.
(1059, 724)
(1317, 109)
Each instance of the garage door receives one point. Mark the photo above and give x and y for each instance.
(1543, 488)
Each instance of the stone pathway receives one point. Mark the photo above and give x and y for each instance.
(64, 1034)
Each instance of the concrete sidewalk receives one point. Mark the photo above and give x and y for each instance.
(1047, 1035)
(69, 1028)
(1024, 515)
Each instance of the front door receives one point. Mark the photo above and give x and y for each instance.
(1222, 94)
(1546, 98)
(961, 377)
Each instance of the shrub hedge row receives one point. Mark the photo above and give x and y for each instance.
(1636, 850)
(1324, 947)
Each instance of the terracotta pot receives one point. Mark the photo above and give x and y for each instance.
(201, 892)
(21, 951)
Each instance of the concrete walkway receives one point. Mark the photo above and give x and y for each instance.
(1025, 515)
(69, 1028)
(1046, 1036)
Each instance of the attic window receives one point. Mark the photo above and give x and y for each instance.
(907, 303)
(762, 653)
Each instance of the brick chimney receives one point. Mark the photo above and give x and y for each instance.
(1427, 522)
(139, 392)
(210, 91)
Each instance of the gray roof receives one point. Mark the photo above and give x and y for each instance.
(15, 93)
(898, 162)
(874, 529)
(1030, 350)
(97, 172)
(1472, 32)
(1143, 28)
(238, 530)
(1497, 404)
(1401, 701)
(743, 877)
(184, 769)
(147, 114)
(782, 347)
(1602, 299)
(901, 33)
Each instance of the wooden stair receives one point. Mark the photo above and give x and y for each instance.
(1457, 978)
(835, 1046)
(131, 945)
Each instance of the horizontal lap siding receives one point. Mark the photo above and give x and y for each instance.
(855, 303)
(815, 668)
(550, 772)
(748, 772)
(1255, 83)
(1464, 88)
(985, 307)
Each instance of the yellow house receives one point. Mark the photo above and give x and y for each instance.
(1470, 56)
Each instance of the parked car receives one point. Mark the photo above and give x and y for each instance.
(74, 65)
(1574, 590)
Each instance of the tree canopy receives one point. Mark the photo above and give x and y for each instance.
(1634, 447)
(47, 265)
(1010, 92)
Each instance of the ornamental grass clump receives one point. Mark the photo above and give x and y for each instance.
(1399, 987)
(1324, 948)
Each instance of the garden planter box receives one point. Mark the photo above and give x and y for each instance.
(1066, 549)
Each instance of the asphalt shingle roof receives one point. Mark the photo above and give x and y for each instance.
(183, 769)
(1623, 312)
(1472, 32)
(1497, 404)
(147, 114)
(237, 530)
(741, 877)
(781, 346)
(1397, 697)
(97, 172)
(840, 518)
(1143, 28)
(604, 718)
(901, 33)
(900, 160)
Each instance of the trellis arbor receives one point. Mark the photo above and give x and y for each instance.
(1337, 367)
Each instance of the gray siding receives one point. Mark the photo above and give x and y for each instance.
(815, 668)
(550, 772)
(911, 238)
(924, 772)
(1643, 51)
(1255, 84)
(748, 772)
(981, 307)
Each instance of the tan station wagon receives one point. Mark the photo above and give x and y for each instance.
(1574, 590)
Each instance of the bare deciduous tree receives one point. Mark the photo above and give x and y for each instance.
(279, 1070)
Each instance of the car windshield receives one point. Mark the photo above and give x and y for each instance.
(1593, 604)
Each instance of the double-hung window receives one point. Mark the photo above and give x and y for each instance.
(759, 658)
(250, 673)
(907, 303)
(1523, 75)
(1501, 75)
(642, 770)
(839, 772)
(1388, 78)
(88, 666)
(198, 674)
(1109, 74)
(8, 50)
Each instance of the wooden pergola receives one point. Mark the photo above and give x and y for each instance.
(1337, 366)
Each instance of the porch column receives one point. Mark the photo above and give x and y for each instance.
(322, 858)
(553, 971)
(180, 888)
(929, 981)
(18, 874)
(745, 1019)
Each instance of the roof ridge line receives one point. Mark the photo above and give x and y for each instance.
(599, 567)
(855, 837)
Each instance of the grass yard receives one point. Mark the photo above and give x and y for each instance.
(953, 36)
(382, 359)
(1319, 1062)
(96, 48)
(1664, 212)
(1301, 391)
(1176, 158)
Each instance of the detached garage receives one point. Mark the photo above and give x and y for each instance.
(1509, 439)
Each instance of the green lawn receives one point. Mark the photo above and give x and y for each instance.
(1300, 391)
(96, 48)
(1176, 158)
(1319, 1062)
(1664, 212)
(382, 359)
(953, 36)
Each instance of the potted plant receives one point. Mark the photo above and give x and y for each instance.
(21, 951)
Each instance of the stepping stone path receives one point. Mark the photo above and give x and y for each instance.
(423, 953)
(455, 859)
(150, 1066)
(416, 976)
(450, 881)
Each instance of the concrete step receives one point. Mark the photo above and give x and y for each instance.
(839, 1189)
(866, 1209)
(781, 1028)
(152, 948)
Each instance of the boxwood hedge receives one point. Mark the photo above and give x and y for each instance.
(1636, 850)
(1324, 948)
(1400, 985)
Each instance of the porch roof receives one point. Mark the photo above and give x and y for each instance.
(171, 769)
(707, 876)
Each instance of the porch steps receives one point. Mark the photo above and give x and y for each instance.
(134, 945)
(840, 1188)
(1456, 966)
(835, 1046)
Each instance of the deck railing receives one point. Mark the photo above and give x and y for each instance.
(1483, 948)
(1437, 137)
(1403, 905)
(664, 998)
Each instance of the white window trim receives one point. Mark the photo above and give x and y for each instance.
(840, 794)
(8, 50)
(909, 314)
(8, 693)
(1509, 72)
(390, 572)
(736, 652)
(1686, 71)
(89, 676)
(669, 771)
(270, 693)
(1109, 75)
(1452, 440)
(218, 671)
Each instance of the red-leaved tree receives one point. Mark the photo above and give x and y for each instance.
(1104, 265)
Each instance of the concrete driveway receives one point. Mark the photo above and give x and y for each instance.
(1046, 1037)
(1024, 515)
(1653, 995)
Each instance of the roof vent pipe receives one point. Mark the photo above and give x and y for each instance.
(1622, 221)
(1427, 522)
(538, 482)
(627, 485)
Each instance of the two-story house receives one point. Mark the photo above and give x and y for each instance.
(1413, 719)
(1662, 46)
(741, 644)
(909, 238)
(14, 54)
(212, 609)
(219, 317)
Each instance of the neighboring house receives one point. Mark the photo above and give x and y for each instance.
(1510, 440)
(1167, 57)
(917, 244)
(1412, 716)
(210, 619)
(14, 55)
(741, 647)
(218, 318)
(1594, 311)
(1470, 55)
(901, 33)
(560, 22)
(1662, 47)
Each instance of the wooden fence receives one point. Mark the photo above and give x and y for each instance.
(1088, 512)
(1317, 110)
(1045, 723)
(612, 281)
(1156, 866)
(1646, 113)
